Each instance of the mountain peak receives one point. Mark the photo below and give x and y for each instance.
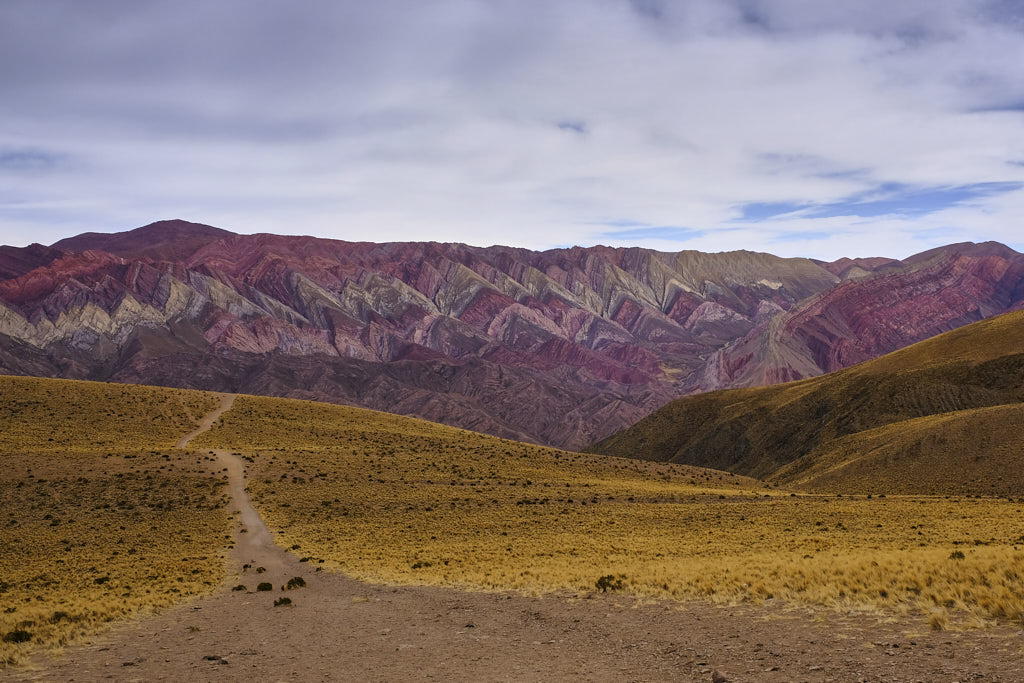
(977, 249)
(167, 240)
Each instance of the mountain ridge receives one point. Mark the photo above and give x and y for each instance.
(560, 347)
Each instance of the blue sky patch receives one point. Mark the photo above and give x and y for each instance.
(1017, 105)
(886, 199)
(759, 211)
(26, 160)
(573, 126)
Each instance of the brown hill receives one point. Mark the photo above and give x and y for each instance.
(171, 240)
(941, 416)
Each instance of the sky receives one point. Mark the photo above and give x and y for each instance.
(796, 127)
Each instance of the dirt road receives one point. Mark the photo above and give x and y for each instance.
(340, 629)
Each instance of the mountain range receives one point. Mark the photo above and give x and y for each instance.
(561, 347)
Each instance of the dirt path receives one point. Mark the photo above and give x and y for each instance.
(226, 401)
(340, 629)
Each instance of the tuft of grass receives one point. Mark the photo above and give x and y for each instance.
(938, 620)
(265, 586)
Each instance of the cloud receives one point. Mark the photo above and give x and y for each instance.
(652, 232)
(768, 125)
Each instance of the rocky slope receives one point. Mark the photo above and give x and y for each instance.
(561, 347)
(940, 417)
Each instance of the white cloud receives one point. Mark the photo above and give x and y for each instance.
(404, 120)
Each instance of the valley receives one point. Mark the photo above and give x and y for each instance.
(512, 342)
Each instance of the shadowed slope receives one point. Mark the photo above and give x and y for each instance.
(975, 451)
(906, 422)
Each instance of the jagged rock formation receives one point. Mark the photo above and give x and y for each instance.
(869, 315)
(561, 347)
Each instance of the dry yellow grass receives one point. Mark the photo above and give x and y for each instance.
(393, 499)
(57, 416)
(102, 518)
(99, 516)
(977, 450)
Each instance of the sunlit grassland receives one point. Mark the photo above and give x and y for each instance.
(100, 517)
(43, 416)
(391, 499)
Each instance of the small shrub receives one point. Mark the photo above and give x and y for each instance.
(938, 620)
(295, 582)
(610, 582)
(956, 555)
(282, 601)
(239, 587)
(17, 636)
(265, 586)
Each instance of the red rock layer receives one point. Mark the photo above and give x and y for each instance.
(561, 347)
